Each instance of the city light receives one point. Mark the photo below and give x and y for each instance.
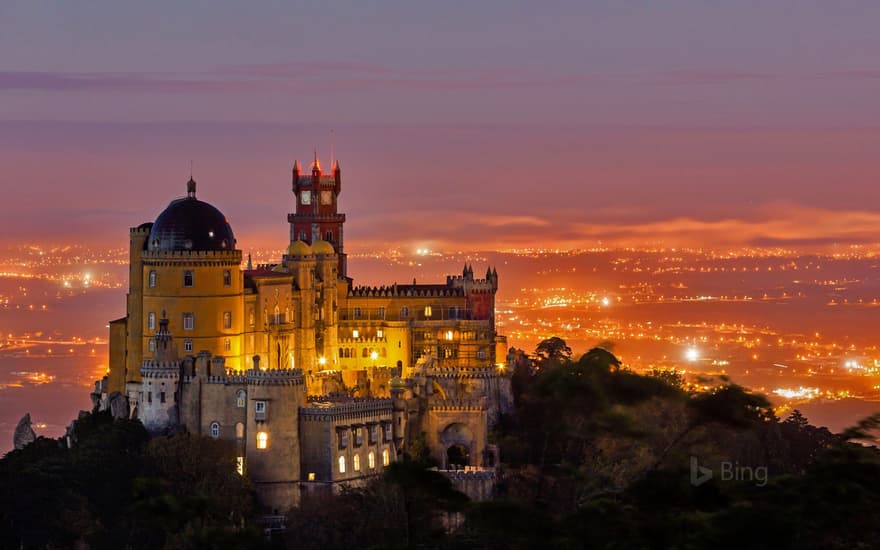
(692, 354)
(322, 360)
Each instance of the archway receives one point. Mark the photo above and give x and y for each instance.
(457, 456)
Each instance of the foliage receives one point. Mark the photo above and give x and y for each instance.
(117, 488)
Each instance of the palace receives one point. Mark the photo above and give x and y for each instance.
(316, 381)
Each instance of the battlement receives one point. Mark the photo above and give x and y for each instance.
(462, 372)
(151, 368)
(274, 377)
(458, 405)
(470, 473)
(416, 291)
(363, 340)
(142, 229)
(323, 407)
(190, 255)
(230, 378)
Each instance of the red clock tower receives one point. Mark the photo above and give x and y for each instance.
(316, 217)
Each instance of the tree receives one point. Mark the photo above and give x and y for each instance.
(552, 350)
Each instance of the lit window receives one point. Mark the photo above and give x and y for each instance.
(152, 345)
(227, 278)
(355, 333)
(151, 279)
(215, 430)
(357, 463)
(239, 431)
(341, 464)
(187, 278)
(239, 465)
(189, 321)
(404, 311)
(262, 440)
(427, 311)
(227, 319)
(449, 335)
(240, 399)
(386, 458)
(371, 460)
(227, 345)
(259, 410)
(311, 476)
(380, 333)
(151, 321)
(187, 345)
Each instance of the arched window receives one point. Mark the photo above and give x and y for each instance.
(365, 352)
(151, 278)
(227, 277)
(386, 458)
(371, 460)
(239, 431)
(151, 320)
(404, 312)
(241, 399)
(187, 278)
(262, 440)
(215, 430)
(357, 463)
(341, 464)
(277, 320)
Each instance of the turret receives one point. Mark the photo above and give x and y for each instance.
(316, 168)
(337, 177)
(295, 182)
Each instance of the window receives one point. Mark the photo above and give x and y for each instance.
(388, 432)
(365, 352)
(380, 313)
(151, 279)
(151, 320)
(355, 333)
(343, 438)
(428, 311)
(328, 236)
(311, 476)
(239, 431)
(448, 335)
(227, 344)
(215, 430)
(259, 410)
(239, 465)
(373, 432)
(252, 318)
(386, 458)
(371, 460)
(240, 399)
(227, 278)
(227, 320)
(152, 345)
(161, 397)
(189, 321)
(187, 345)
(302, 235)
(357, 313)
(358, 436)
(149, 397)
(262, 440)
(187, 278)
(481, 353)
(341, 464)
(380, 333)
(404, 312)
(357, 463)
(453, 312)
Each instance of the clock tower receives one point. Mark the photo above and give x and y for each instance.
(316, 218)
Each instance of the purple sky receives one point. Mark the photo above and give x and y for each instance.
(498, 124)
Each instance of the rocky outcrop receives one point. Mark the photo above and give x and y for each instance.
(24, 434)
(118, 405)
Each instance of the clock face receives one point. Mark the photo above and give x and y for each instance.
(326, 197)
(305, 197)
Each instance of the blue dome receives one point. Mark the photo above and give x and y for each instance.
(190, 224)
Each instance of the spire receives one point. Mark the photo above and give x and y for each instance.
(488, 272)
(316, 164)
(191, 188)
(250, 263)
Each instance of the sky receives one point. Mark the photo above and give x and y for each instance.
(459, 125)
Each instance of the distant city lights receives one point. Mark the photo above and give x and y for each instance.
(692, 354)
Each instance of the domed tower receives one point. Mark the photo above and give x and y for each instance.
(191, 271)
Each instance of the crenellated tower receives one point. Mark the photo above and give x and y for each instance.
(316, 218)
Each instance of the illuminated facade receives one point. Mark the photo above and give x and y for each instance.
(317, 381)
